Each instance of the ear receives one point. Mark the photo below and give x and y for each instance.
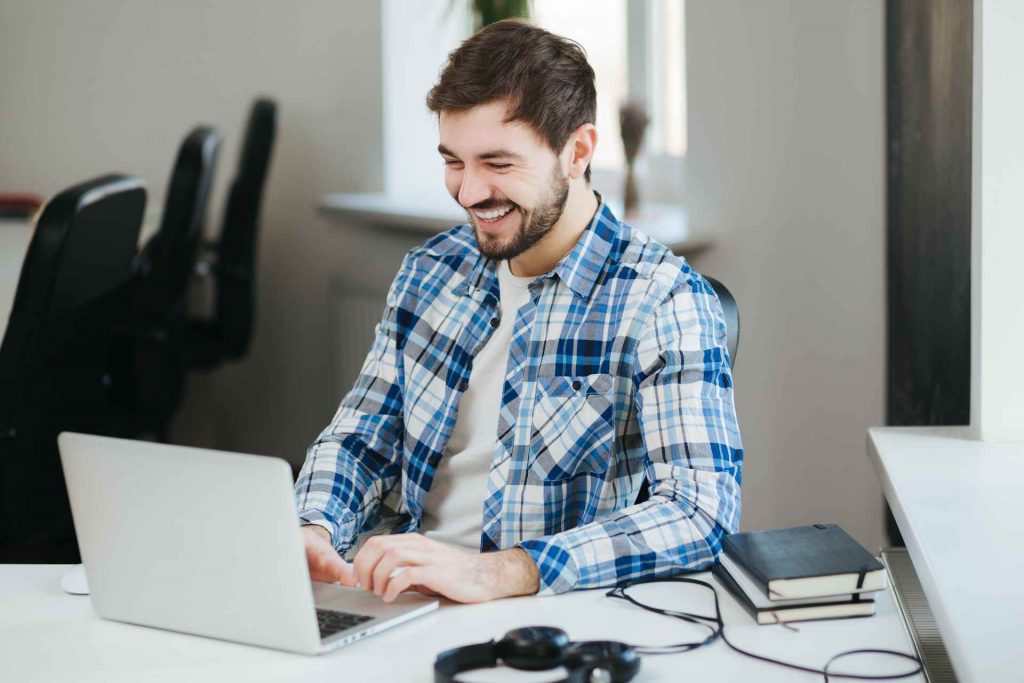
(580, 147)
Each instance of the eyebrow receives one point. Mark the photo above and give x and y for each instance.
(493, 154)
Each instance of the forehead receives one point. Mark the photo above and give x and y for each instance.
(483, 128)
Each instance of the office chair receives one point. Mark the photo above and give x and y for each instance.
(732, 317)
(732, 343)
(148, 358)
(71, 290)
(228, 334)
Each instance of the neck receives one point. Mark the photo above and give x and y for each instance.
(580, 207)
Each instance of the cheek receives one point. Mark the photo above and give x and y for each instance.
(452, 181)
(515, 190)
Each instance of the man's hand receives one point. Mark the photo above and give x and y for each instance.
(436, 568)
(324, 562)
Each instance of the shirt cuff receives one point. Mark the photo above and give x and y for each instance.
(339, 539)
(556, 566)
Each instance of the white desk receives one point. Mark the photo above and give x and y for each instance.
(959, 504)
(46, 635)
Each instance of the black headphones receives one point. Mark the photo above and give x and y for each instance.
(535, 648)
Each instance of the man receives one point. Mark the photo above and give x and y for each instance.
(533, 368)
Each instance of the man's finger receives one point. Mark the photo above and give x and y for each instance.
(342, 572)
(410, 577)
(391, 561)
(366, 560)
(327, 566)
(370, 555)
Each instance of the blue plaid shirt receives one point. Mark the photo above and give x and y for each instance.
(617, 372)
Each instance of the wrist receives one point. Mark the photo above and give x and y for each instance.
(515, 573)
(320, 531)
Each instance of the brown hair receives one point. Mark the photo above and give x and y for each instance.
(546, 78)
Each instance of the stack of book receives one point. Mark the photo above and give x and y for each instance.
(798, 574)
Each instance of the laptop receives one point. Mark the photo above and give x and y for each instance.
(208, 543)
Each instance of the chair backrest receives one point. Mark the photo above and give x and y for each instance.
(72, 288)
(732, 317)
(236, 249)
(165, 264)
(79, 259)
(147, 361)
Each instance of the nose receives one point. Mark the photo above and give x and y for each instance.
(474, 189)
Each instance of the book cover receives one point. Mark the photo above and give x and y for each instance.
(841, 607)
(757, 596)
(805, 562)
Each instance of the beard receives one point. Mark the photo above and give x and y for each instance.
(536, 222)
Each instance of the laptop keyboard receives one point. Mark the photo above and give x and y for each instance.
(332, 622)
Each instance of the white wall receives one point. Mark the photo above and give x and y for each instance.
(997, 208)
(786, 165)
(107, 85)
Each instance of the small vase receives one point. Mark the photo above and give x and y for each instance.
(631, 195)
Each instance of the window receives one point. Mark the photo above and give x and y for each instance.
(600, 27)
(636, 49)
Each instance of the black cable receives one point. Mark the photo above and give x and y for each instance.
(717, 630)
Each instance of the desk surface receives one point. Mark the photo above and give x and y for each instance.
(46, 635)
(959, 506)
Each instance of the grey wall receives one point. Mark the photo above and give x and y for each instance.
(105, 85)
(785, 164)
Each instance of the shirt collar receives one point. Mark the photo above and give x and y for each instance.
(581, 267)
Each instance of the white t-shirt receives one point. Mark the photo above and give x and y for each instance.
(453, 507)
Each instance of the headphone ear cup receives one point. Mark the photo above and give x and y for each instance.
(601, 661)
(533, 648)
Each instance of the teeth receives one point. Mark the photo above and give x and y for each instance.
(493, 215)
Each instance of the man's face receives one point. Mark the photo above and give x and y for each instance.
(506, 178)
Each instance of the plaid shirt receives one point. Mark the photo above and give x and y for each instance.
(617, 372)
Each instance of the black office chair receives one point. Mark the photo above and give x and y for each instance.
(148, 358)
(71, 290)
(228, 334)
(732, 317)
(732, 343)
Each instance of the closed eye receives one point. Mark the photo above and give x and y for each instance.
(501, 167)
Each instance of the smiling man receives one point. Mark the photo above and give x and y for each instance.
(532, 370)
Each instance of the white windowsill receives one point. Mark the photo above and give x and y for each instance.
(667, 223)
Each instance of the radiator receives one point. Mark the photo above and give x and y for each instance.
(355, 314)
(913, 605)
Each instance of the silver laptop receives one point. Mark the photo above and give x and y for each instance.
(208, 543)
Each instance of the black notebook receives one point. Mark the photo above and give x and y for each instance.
(765, 611)
(805, 562)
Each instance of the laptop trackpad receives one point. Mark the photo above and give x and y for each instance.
(334, 597)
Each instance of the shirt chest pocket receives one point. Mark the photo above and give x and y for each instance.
(572, 427)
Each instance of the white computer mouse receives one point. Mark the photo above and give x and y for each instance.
(74, 581)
